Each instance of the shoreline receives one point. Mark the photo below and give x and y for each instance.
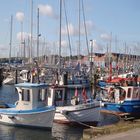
(110, 130)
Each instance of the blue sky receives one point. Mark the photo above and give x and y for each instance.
(107, 21)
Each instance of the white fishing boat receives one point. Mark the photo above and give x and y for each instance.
(12, 77)
(31, 110)
(73, 107)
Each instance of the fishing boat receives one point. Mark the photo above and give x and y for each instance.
(31, 110)
(123, 99)
(16, 77)
(73, 104)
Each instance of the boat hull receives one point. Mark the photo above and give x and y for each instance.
(130, 107)
(85, 113)
(36, 119)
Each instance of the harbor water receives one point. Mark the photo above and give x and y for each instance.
(59, 132)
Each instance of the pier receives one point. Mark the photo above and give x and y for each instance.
(115, 131)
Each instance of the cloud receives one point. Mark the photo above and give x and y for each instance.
(89, 26)
(74, 30)
(105, 37)
(24, 35)
(99, 47)
(3, 47)
(46, 10)
(64, 43)
(20, 16)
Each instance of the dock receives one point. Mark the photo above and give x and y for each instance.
(100, 132)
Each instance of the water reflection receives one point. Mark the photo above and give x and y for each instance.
(59, 132)
(65, 132)
(15, 133)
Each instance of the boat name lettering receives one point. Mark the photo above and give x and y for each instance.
(26, 104)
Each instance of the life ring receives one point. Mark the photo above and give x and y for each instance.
(24, 75)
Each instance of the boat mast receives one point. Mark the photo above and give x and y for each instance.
(60, 37)
(110, 59)
(38, 35)
(11, 30)
(31, 37)
(79, 44)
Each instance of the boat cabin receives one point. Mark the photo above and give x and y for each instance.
(31, 96)
(120, 94)
(67, 95)
(56, 95)
(132, 93)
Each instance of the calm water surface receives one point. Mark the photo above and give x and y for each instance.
(59, 132)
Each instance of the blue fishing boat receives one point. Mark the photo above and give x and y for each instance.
(123, 100)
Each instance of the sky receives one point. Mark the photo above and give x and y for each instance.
(110, 24)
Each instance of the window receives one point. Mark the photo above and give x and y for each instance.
(22, 95)
(135, 93)
(129, 93)
(122, 94)
(42, 95)
(49, 93)
(58, 95)
(39, 95)
(28, 95)
(25, 95)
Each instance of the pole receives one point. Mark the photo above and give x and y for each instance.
(110, 59)
(31, 38)
(21, 40)
(38, 34)
(79, 29)
(24, 51)
(60, 37)
(91, 66)
(11, 29)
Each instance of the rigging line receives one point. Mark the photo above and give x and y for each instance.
(68, 30)
(85, 26)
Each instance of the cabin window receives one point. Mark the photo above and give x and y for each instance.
(28, 95)
(39, 95)
(122, 94)
(44, 95)
(58, 95)
(25, 95)
(129, 93)
(22, 95)
(49, 93)
(135, 93)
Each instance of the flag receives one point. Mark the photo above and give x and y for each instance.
(76, 92)
(84, 94)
